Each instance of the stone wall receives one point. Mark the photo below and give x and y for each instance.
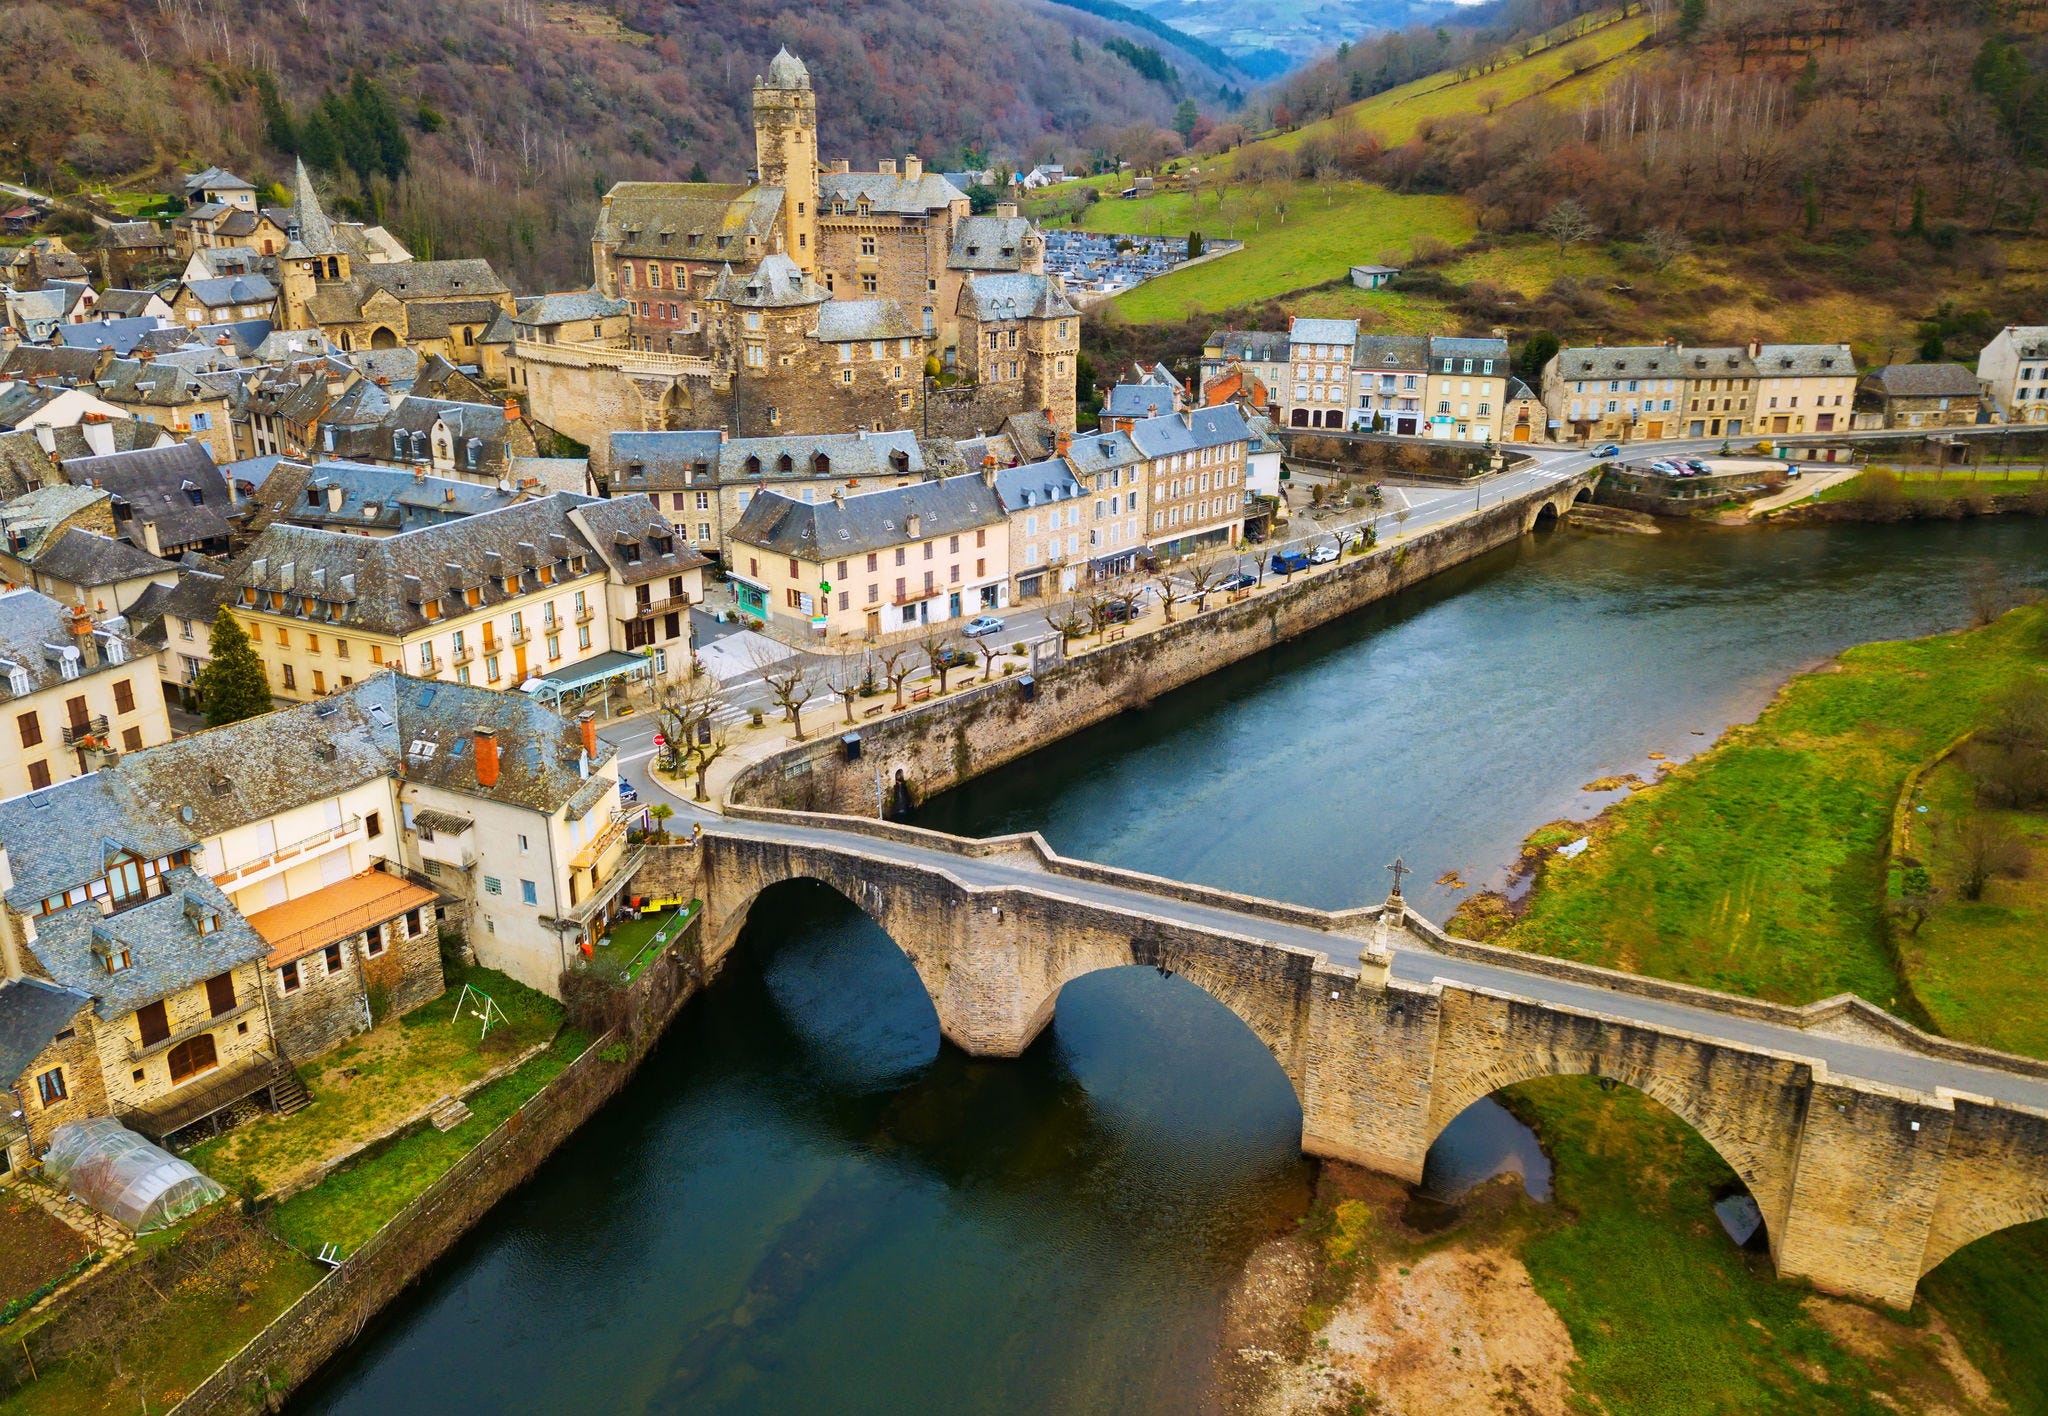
(329, 1316)
(970, 409)
(944, 743)
(1379, 455)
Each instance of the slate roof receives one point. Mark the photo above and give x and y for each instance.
(1625, 361)
(1925, 381)
(382, 584)
(776, 283)
(786, 71)
(993, 243)
(624, 531)
(1795, 361)
(1258, 346)
(217, 291)
(46, 361)
(866, 521)
(1099, 452)
(570, 305)
(1036, 483)
(154, 383)
(635, 215)
(158, 485)
(555, 474)
(82, 557)
(1204, 427)
(841, 321)
(133, 236)
(26, 518)
(1013, 297)
(666, 458)
(34, 627)
(166, 950)
(24, 464)
(1137, 400)
(217, 179)
(32, 1013)
(123, 304)
(1315, 331)
(21, 401)
(1484, 347)
(380, 498)
(312, 233)
(888, 193)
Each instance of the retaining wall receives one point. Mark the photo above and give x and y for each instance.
(944, 743)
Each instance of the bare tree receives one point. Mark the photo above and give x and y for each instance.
(1567, 223)
(894, 664)
(1069, 618)
(685, 701)
(790, 685)
(1204, 574)
(1171, 588)
(1664, 244)
(850, 676)
(1987, 846)
(941, 653)
(990, 649)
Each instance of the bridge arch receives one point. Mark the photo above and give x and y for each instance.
(1675, 1096)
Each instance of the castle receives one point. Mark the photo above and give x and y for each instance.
(810, 301)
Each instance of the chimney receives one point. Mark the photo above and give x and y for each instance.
(887, 167)
(839, 497)
(511, 411)
(1756, 347)
(724, 437)
(913, 168)
(841, 166)
(988, 472)
(587, 722)
(1007, 210)
(1061, 441)
(912, 524)
(486, 758)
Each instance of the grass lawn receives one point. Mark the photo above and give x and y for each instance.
(1976, 964)
(380, 1078)
(632, 944)
(154, 1351)
(352, 1204)
(1396, 114)
(1666, 1314)
(1757, 867)
(1941, 486)
(1321, 237)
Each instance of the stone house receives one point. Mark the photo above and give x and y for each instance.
(1190, 493)
(1523, 416)
(1261, 353)
(176, 623)
(1044, 502)
(2012, 370)
(1020, 344)
(79, 692)
(446, 438)
(360, 499)
(704, 480)
(88, 570)
(192, 406)
(648, 590)
(1467, 388)
(873, 562)
(1389, 383)
(218, 299)
(1317, 384)
(1669, 390)
(167, 500)
(1921, 395)
(49, 1068)
(1803, 388)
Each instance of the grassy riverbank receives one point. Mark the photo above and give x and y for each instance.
(1758, 867)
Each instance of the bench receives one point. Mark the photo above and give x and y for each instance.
(1112, 636)
(920, 695)
(876, 711)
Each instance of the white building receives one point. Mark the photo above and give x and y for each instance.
(2013, 370)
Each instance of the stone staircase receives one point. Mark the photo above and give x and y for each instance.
(448, 1113)
(287, 1092)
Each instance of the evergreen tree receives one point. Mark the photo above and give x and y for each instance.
(278, 129)
(319, 144)
(233, 685)
(1692, 14)
(1194, 244)
(1185, 117)
(697, 173)
(1540, 348)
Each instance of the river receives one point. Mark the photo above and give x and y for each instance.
(805, 1203)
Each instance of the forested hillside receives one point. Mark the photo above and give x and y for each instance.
(517, 113)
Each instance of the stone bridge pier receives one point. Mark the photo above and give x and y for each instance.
(1863, 1186)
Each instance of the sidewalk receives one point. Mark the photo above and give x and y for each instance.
(1807, 487)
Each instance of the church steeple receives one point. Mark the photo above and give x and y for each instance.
(311, 229)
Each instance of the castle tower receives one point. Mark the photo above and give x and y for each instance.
(786, 152)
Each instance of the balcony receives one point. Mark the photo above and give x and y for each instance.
(431, 664)
(445, 839)
(76, 733)
(462, 656)
(613, 833)
(586, 614)
(522, 635)
(139, 1051)
(288, 853)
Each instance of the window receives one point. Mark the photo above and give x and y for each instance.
(50, 1086)
(220, 994)
(332, 957)
(38, 776)
(193, 1056)
(529, 893)
(290, 679)
(31, 730)
(153, 1023)
(124, 696)
(493, 885)
(131, 739)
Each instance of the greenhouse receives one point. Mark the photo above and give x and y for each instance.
(124, 1177)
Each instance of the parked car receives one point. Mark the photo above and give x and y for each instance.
(1114, 611)
(1289, 562)
(953, 657)
(1323, 554)
(982, 624)
(1239, 581)
(1607, 450)
(627, 791)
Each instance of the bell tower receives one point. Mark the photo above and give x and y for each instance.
(786, 152)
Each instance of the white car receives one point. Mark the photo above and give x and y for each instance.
(1323, 555)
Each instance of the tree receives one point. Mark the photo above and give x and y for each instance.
(790, 685)
(1664, 244)
(697, 173)
(895, 665)
(850, 676)
(1194, 244)
(1692, 14)
(1567, 223)
(1069, 619)
(1537, 351)
(1185, 117)
(659, 814)
(941, 654)
(233, 685)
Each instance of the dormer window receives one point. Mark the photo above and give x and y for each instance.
(17, 681)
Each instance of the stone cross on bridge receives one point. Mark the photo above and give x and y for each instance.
(1874, 1151)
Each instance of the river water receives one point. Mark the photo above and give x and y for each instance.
(805, 1203)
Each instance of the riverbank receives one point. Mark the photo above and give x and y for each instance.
(1764, 865)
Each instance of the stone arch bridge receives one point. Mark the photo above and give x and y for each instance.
(1873, 1150)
